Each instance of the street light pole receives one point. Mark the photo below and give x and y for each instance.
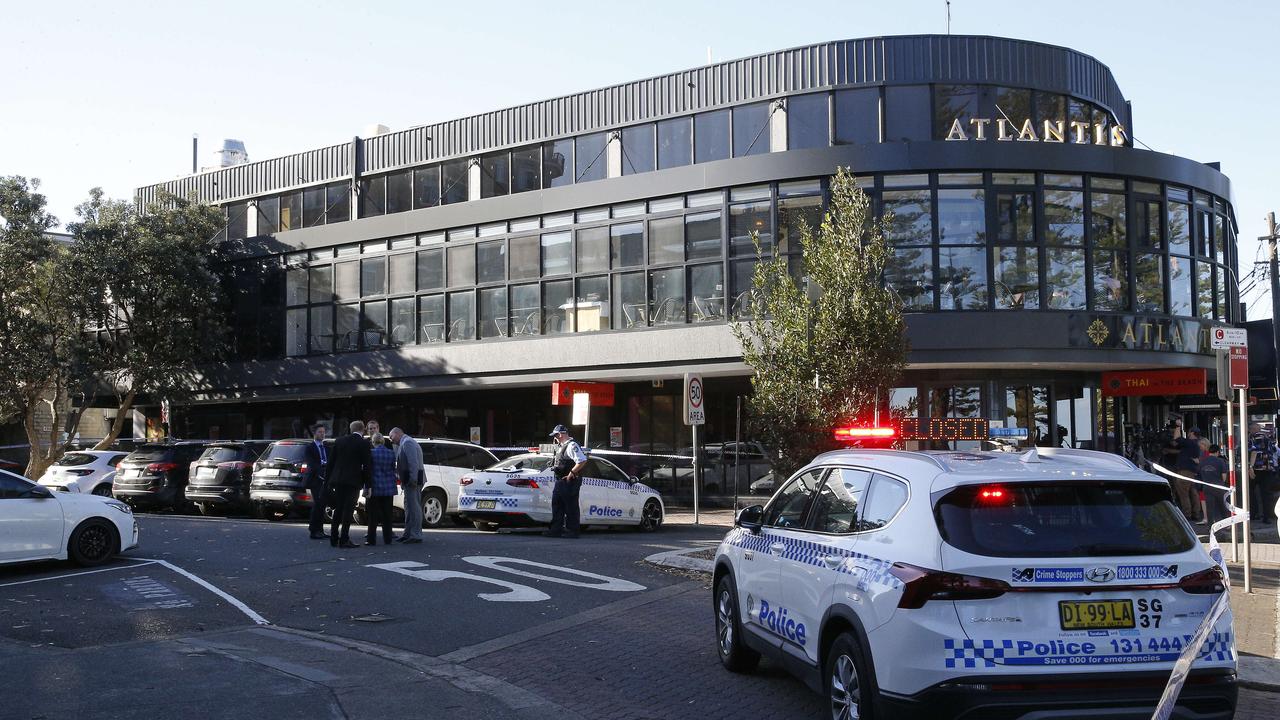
(1275, 296)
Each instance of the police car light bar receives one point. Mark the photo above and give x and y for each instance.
(859, 433)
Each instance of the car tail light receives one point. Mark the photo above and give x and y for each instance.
(523, 482)
(162, 467)
(922, 585)
(864, 433)
(993, 495)
(300, 467)
(466, 480)
(257, 466)
(304, 497)
(1206, 582)
(79, 472)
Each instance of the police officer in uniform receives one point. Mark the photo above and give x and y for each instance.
(1262, 462)
(567, 466)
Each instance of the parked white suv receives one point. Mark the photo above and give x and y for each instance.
(84, 471)
(1056, 583)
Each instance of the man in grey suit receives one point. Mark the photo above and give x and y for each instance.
(409, 470)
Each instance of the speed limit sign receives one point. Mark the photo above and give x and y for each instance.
(694, 397)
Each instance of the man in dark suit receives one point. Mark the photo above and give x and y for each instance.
(317, 463)
(350, 464)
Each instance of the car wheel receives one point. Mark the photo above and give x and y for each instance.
(734, 655)
(650, 517)
(93, 543)
(103, 490)
(849, 688)
(482, 525)
(434, 504)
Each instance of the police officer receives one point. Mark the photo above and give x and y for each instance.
(1262, 452)
(567, 466)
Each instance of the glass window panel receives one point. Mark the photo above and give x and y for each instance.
(1147, 224)
(748, 218)
(629, 300)
(1110, 280)
(751, 129)
(321, 281)
(337, 203)
(666, 240)
(741, 273)
(268, 215)
(373, 276)
(431, 318)
(295, 286)
(462, 316)
(1016, 279)
(431, 269)
(399, 192)
(1148, 282)
(313, 206)
(629, 210)
(953, 103)
(702, 236)
(912, 216)
(666, 296)
(1204, 289)
(857, 115)
(593, 304)
(592, 249)
(666, 204)
(454, 182)
(638, 149)
(526, 224)
(893, 181)
(402, 325)
(1148, 188)
(526, 310)
(558, 307)
(431, 238)
(401, 268)
(491, 261)
(1015, 104)
(794, 214)
(909, 271)
(347, 280)
(591, 163)
(1065, 278)
(557, 163)
(290, 211)
(1220, 282)
(295, 332)
(1099, 183)
(1074, 181)
(1064, 217)
(962, 217)
(800, 187)
(495, 174)
(1180, 286)
(1179, 228)
(962, 278)
(557, 253)
(525, 258)
(321, 254)
(462, 266)
(1108, 220)
(906, 113)
(1204, 233)
(1013, 178)
(706, 199)
(1177, 193)
(959, 178)
(751, 192)
(1015, 217)
(706, 293)
(807, 122)
(426, 187)
(401, 243)
(526, 169)
(493, 312)
(347, 330)
(373, 324)
(320, 339)
(1049, 107)
(711, 136)
(1219, 237)
(675, 142)
(375, 246)
(626, 245)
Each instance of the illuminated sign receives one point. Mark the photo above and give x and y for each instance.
(1137, 383)
(1050, 131)
(945, 428)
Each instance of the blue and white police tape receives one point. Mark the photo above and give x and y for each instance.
(1164, 709)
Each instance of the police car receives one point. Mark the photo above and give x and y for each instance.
(517, 491)
(1054, 583)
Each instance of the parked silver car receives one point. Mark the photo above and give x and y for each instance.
(84, 471)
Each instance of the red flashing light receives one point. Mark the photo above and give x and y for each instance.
(992, 494)
(860, 433)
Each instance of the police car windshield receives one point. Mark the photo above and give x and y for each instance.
(1087, 519)
(524, 462)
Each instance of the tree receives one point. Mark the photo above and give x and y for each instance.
(823, 351)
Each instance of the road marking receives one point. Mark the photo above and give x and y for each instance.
(604, 581)
(78, 574)
(515, 592)
(213, 589)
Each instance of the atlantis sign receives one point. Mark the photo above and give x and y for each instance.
(1052, 131)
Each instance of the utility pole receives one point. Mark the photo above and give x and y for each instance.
(1275, 295)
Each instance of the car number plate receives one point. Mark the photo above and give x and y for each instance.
(1095, 614)
(205, 472)
(486, 504)
(270, 473)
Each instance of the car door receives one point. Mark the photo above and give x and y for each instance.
(30, 527)
(601, 499)
(761, 597)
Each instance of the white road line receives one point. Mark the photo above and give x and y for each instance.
(248, 611)
(78, 574)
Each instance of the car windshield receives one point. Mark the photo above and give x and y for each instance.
(1081, 519)
(524, 462)
(150, 453)
(285, 452)
(220, 455)
(73, 459)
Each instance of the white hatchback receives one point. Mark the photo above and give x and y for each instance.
(84, 471)
(1057, 583)
(517, 491)
(37, 524)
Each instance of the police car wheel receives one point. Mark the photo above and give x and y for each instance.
(734, 655)
(848, 686)
(433, 507)
(650, 517)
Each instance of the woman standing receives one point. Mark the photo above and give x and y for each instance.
(381, 491)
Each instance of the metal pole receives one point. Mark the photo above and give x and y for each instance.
(1275, 296)
(1231, 469)
(737, 454)
(1244, 488)
(195, 150)
(586, 430)
(696, 480)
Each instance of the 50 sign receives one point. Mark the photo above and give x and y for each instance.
(513, 592)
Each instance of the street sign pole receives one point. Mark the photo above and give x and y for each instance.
(1231, 466)
(695, 414)
(1244, 488)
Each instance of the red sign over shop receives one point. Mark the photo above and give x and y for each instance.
(562, 392)
(1191, 381)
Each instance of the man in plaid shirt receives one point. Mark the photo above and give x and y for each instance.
(380, 492)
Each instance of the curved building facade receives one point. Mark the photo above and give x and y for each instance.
(443, 276)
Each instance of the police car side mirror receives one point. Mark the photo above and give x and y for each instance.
(750, 518)
(633, 479)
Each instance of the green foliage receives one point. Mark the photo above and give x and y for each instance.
(822, 350)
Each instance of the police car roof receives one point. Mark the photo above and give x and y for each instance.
(961, 467)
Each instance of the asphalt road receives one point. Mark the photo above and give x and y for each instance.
(216, 617)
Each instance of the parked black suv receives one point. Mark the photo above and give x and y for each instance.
(280, 475)
(155, 475)
(222, 475)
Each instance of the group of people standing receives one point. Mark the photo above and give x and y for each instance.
(1194, 457)
(365, 461)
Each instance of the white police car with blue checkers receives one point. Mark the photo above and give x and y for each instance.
(1053, 583)
(517, 491)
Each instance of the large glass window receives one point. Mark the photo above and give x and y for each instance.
(626, 245)
(557, 163)
(962, 217)
(399, 192)
(321, 281)
(431, 318)
(493, 312)
(909, 272)
(295, 332)
(702, 235)
(591, 163)
(629, 300)
(593, 249)
(525, 257)
(526, 169)
(795, 213)
(1108, 220)
(638, 149)
(431, 269)
(1064, 217)
(462, 316)
(491, 262)
(454, 182)
(1204, 289)
(557, 253)
(1016, 279)
(962, 278)
(857, 114)
(1110, 280)
(675, 142)
(320, 339)
(912, 216)
(268, 215)
(337, 202)
(347, 329)
(462, 266)
(373, 324)
(400, 271)
(751, 129)
(495, 174)
(906, 113)
(426, 187)
(558, 314)
(711, 136)
(1179, 228)
(953, 103)
(291, 211)
(1180, 286)
(347, 280)
(741, 281)
(313, 206)
(666, 240)
(1148, 282)
(295, 286)
(666, 296)
(373, 276)
(748, 218)
(1015, 105)
(526, 310)
(1015, 217)
(592, 302)
(1065, 278)
(401, 323)
(706, 292)
(1146, 219)
(807, 122)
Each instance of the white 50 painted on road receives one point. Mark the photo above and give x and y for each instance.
(515, 592)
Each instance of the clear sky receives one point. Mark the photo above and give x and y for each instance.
(109, 94)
